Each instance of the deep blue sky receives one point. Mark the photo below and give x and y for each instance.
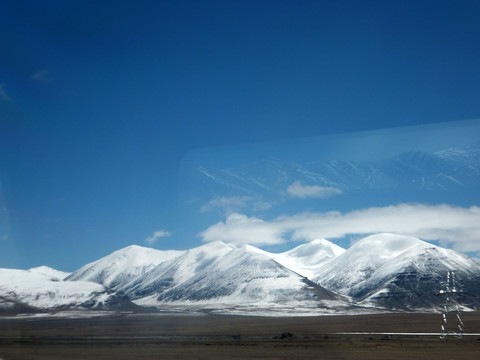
(101, 100)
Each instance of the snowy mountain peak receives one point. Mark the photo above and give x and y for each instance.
(122, 266)
(49, 272)
(214, 245)
(138, 255)
(396, 271)
(254, 250)
(386, 245)
(305, 258)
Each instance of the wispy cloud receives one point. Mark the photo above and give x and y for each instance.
(230, 204)
(3, 94)
(152, 239)
(41, 75)
(297, 189)
(451, 225)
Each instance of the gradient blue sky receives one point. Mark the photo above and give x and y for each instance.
(101, 100)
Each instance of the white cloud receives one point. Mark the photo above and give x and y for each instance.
(4, 95)
(240, 229)
(157, 235)
(451, 225)
(297, 189)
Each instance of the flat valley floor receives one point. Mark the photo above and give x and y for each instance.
(153, 336)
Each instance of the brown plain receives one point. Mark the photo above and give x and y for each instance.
(235, 337)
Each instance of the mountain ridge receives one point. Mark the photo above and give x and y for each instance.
(388, 272)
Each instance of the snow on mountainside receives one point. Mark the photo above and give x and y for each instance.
(122, 266)
(50, 272)
(176, 271)
(398, 272)
(40, 290)
(306, 258)
(221, 273)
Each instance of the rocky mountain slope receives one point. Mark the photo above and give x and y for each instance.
(399, 272)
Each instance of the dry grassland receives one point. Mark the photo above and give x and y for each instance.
(235, 337)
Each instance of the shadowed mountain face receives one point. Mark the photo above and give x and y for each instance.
(400, 272)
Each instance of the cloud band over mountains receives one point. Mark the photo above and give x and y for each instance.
(447, 224)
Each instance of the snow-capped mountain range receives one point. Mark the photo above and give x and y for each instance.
(382, 271)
